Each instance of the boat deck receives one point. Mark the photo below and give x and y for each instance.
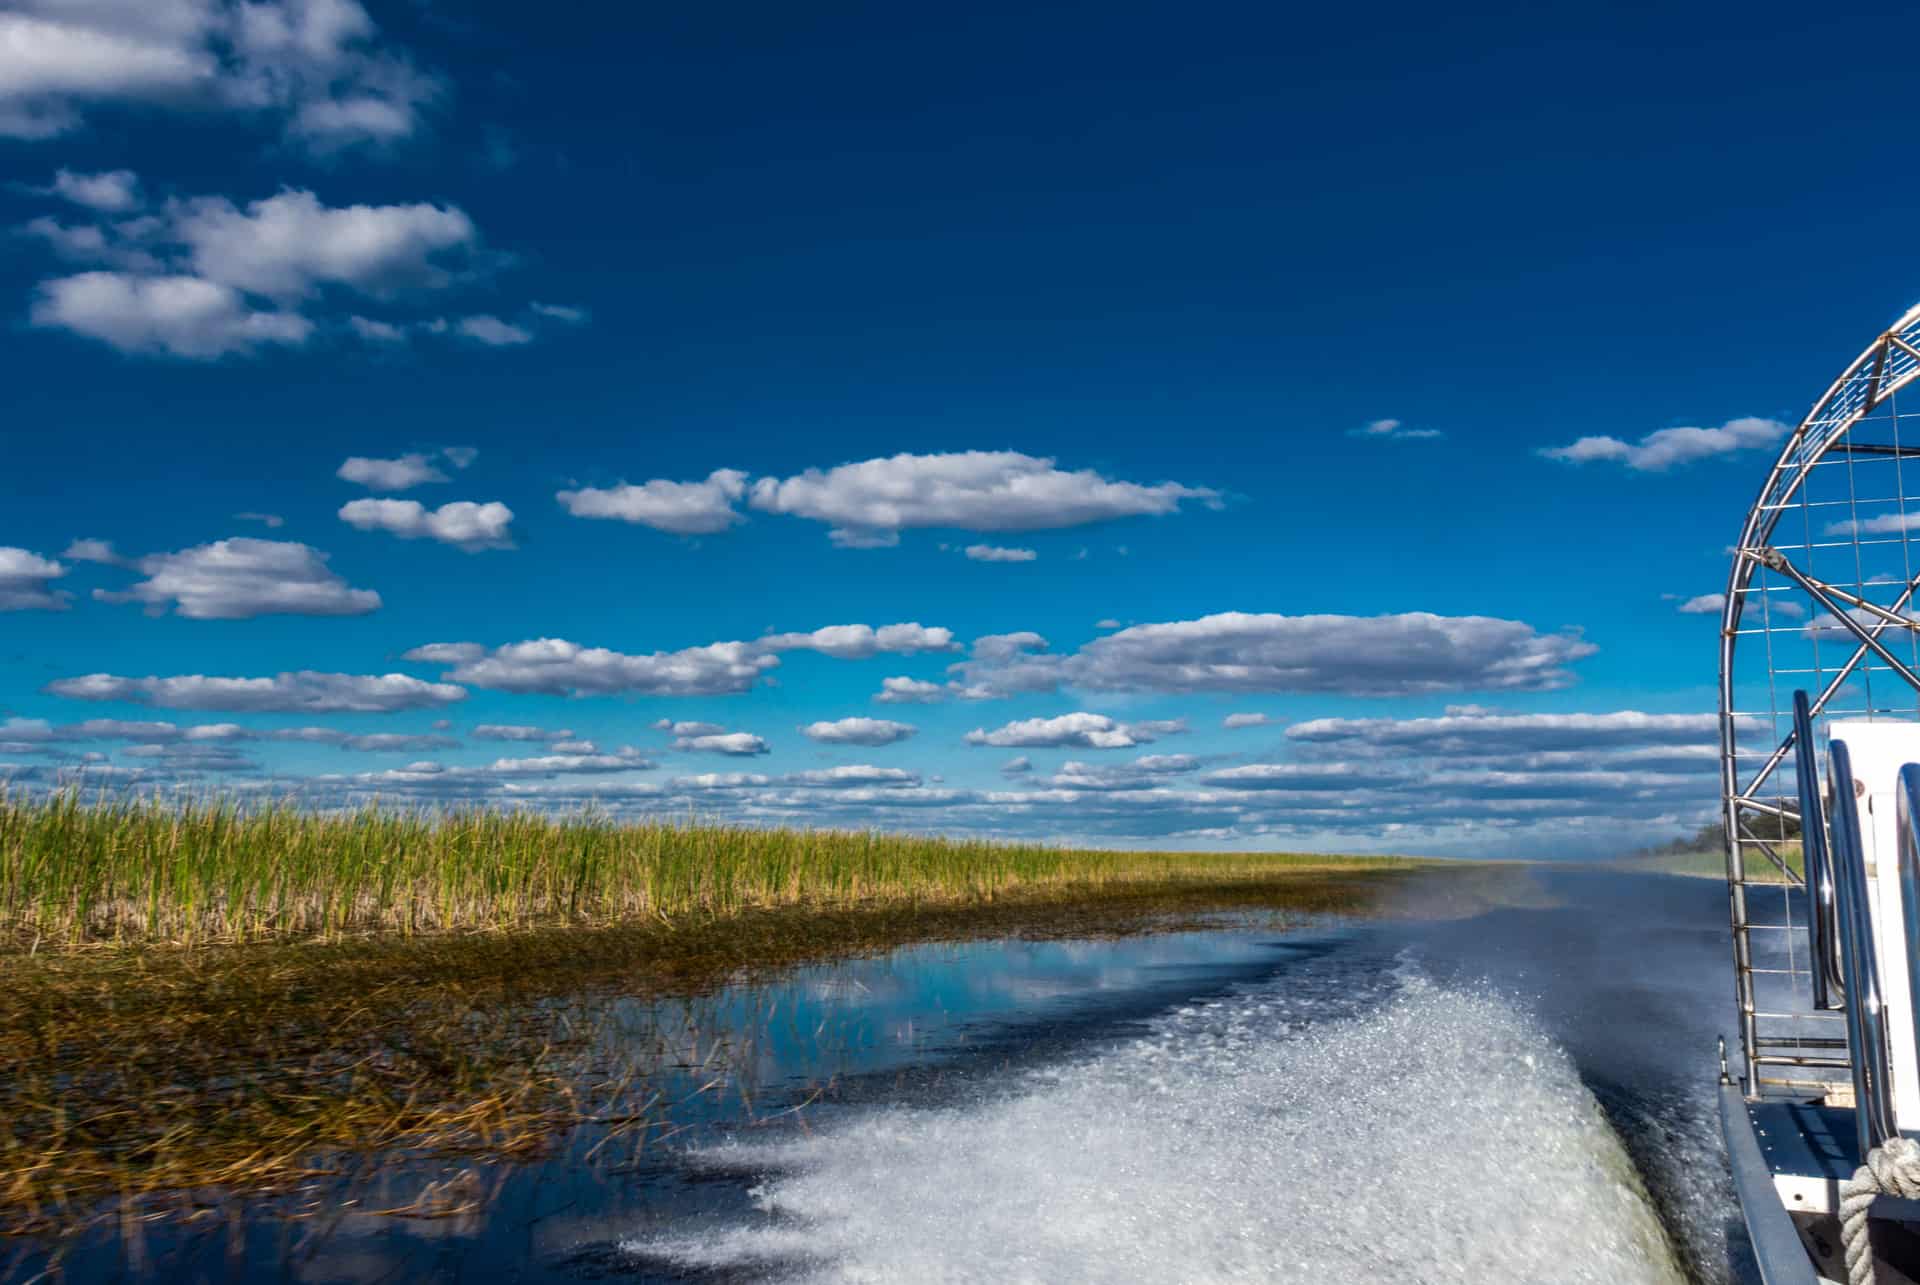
(1810, 1150)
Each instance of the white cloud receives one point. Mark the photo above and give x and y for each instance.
(289, 245)
(304, 691)
(390, 475)
(272, 521)
(997, 553)
(92, 551)
(178, 316)
(460, 456)
(555, 666)
(684, 508)
(25, 579)
(1245, 720)
(240, 578)
(559, 312)
(314, 64)
(111, 192)
(493, 332)
(1392, 430)
(852, 777)
(740, 744)
(687, 728)
(1662, 450)
(367, 743)
(1705, 604)
(902, 690)
(518, 732)
(462, 523)
(869, 503)
(1080, 730)
(1879, 524)
(1397, 655)
(1017, 767)
(1300, 776)
(859, 731)
(1488, 733)
(379, 332)
(857, 642)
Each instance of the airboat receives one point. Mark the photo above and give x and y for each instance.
(1820, 777)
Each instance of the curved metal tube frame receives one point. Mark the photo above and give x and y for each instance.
(1888, 364)
(1866, 1026)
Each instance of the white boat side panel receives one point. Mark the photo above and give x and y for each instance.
(1879, 750)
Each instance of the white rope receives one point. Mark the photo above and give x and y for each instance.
(1892, 1169)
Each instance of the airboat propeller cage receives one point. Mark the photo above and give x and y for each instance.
(1821, 598)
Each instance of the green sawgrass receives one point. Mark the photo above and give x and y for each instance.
(128, 871)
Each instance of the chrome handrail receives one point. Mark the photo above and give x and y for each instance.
(1823, 936)
(1907, 805)
(1866, 1027)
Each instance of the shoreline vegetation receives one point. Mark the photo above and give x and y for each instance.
(202, 999)
(143, 872)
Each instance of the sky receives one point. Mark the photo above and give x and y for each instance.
(1147, 425)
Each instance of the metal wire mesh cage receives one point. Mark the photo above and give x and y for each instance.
(1821, 599)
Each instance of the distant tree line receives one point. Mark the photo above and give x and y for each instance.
(1713, 837)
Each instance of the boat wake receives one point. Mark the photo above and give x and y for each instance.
(1431, 1134)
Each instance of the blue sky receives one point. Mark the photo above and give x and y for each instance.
(1225, 337)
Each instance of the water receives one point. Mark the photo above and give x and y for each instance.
(1523, 1095)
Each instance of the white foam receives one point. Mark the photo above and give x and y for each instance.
(1438, 1137)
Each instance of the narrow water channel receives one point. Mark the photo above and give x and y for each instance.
(1524, 1094)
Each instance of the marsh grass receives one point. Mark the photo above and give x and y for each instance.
(201, 1002)
(132, 871)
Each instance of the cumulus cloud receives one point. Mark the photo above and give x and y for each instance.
(519, 732)
(998, 553)
(303, 691)
(1232, 721)
(175, 316)
(683, 508)
(25, 579)
(1301, 776)
(205, 277)
(402, 474)
(491, 331)
(1078, 731)
(1397, 655)
(39, 731)
(110, 192)
(1878, 524)
(366, 743)
(858, 731)
(1392, 430)
(318, 67)
(1661, 450)
(741, 744)
(289, 245)
(853, 776)
(462, 523)
(902, 690)
(1491, 733)
(240, 578)
(1705, 604)
(556, 666)
(857, 642)
(868, 504)
(1016, 767)
(1143, 772)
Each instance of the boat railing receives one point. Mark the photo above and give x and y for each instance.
(1823, 929)
(1866, 1017)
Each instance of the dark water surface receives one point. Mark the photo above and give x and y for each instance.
(1525, 1094)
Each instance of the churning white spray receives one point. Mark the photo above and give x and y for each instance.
(1437, 1137)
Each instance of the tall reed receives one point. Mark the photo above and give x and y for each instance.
(133, 871)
